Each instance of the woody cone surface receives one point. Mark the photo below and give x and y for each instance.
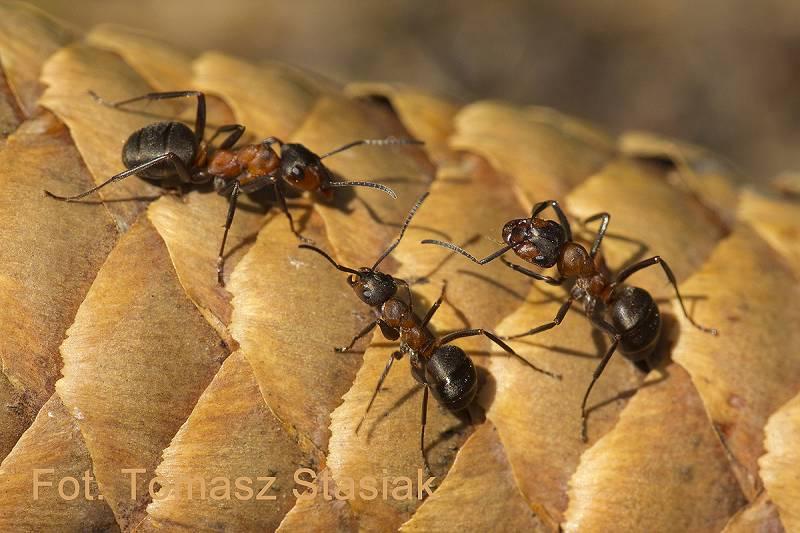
(119, 351)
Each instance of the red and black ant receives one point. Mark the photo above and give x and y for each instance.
(439, 366)
(634, 322)
(170, 151)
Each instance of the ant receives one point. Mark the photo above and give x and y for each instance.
(628, 314)
(439, 366)
(170, 151)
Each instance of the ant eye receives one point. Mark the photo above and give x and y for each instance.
(367, 294)
(296, 172)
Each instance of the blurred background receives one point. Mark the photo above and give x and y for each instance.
(721, 73)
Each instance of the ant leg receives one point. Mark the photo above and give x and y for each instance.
(395, 355)
(236, 132)
(562, 218)
(200, 118)
(180, 168)
(374, 142)
(361, 334)
(562, 312)
(595, 375)
(434, 307)
(466, 254)
(228, 221)
(622, 276)
(532, 274)
(422, 430)
(450, 337)
(606, 218)
(269, 141)
(282, 199)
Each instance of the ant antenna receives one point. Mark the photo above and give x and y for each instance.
(330, 259)
(99, 99)
(384, 188)
(374, 142)
(383, 256)
(402, 230)
(468, 255)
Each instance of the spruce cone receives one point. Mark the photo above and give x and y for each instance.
(120, 352)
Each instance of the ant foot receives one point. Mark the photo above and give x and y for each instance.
(220, 272)
(305, 240)
(96, 97)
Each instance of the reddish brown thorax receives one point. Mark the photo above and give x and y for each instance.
(398, 315)
(574, 261)
(246, 163)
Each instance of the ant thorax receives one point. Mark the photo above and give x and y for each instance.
(398, 314)
(245, 164)
(414, 338)
(595, 284)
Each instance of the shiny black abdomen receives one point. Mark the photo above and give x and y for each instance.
(452, 377)
(635, 315)
(157, 139)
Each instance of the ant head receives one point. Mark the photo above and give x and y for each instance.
(535, 240)
(372, 287)
(301, 168)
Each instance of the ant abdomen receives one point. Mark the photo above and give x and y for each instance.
(451, 377)
(155, 140)
(634, 313)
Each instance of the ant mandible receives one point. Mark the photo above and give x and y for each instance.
(439, 366)
(628, 314)
(170, 151)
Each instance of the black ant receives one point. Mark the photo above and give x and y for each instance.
(170, 151)
(634, 322)
(439, 366)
